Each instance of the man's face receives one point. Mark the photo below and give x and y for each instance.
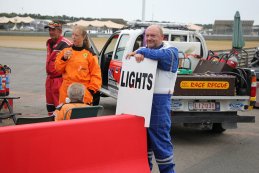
(54, 33)
(153, 37)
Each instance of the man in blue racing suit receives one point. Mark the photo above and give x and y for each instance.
(159, 139)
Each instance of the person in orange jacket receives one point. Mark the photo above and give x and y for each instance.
(75, 94)
(79, 64)
(54, 45)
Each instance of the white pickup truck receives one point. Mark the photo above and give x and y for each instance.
(214, 112)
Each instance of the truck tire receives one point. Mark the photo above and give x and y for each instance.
(217, 128)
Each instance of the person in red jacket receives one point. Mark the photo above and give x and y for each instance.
(54, 44)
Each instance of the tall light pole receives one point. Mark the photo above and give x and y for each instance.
(143, 10)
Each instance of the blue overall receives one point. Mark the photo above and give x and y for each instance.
(159, 139)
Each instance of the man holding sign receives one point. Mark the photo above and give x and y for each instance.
(159, 139)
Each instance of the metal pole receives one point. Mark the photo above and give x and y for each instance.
(143, 10)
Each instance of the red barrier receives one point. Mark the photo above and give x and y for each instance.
(110, 144)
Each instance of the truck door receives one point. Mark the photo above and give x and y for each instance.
(111, 57)
(106, 57)
(116, 63)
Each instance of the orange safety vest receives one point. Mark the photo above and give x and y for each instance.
(63, 112)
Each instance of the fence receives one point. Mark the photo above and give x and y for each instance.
(245, 57)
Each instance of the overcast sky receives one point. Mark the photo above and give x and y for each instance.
(183, 11)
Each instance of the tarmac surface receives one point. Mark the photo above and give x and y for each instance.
(196, 151)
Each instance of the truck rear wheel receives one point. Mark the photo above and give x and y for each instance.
(217, 128)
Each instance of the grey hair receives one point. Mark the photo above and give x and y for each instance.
(76, 92)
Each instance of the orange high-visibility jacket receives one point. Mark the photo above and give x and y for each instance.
(81, 67)
(63, 112)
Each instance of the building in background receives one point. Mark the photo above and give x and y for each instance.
(255, 30)
(225, 27)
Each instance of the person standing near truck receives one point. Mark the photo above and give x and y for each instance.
(54, 44)
(79, 64)
(159, 139)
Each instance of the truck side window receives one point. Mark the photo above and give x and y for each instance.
(109, 49)
(121, 47)
(138, 43)
(166, 37)
(179, 38)
(107, 56)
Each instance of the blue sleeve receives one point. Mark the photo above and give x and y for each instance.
(167, 58)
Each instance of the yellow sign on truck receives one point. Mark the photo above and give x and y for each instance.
(204, 84)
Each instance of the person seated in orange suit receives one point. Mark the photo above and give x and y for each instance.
(75, 98)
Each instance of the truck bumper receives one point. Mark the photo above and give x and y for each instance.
(210, 117)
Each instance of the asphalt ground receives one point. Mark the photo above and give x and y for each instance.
(196, 151)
